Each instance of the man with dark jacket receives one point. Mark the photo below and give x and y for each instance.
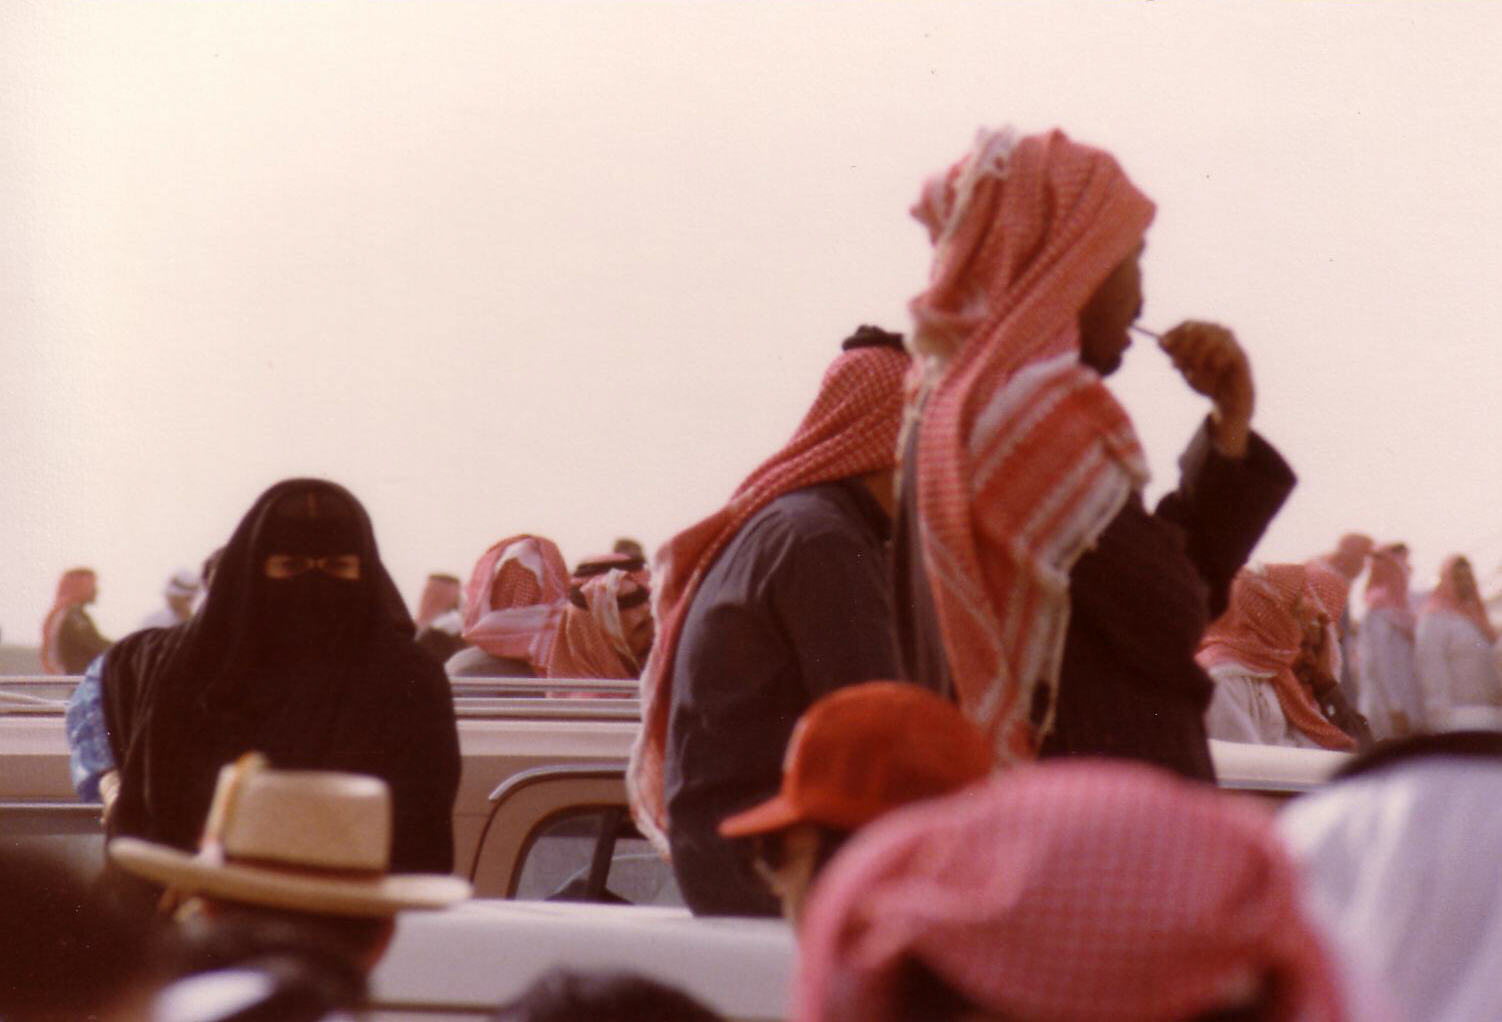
(777, 599)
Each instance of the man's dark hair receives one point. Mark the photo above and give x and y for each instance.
(630, 547)
(236, 931)
(67, 949)
(1483, 745)
(868, 336)
(565, 996)
(923, 996)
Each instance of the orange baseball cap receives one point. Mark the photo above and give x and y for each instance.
(864, 750)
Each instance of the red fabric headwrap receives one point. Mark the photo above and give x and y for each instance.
(592, 640)
(515, 599)
(1261, 630)
(1446, 597)
(1024, 456)
(1087, 891)
(439, 596)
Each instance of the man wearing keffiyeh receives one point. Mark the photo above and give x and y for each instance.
(779, 597)
(1032, 581)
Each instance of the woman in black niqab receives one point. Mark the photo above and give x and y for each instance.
(303, 651)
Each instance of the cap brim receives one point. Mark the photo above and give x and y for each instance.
(378, 896)
(776, 813)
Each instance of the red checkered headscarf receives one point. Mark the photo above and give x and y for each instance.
(1262, 631)
(1387, 585)
(1332, 575)
(1077, 891)
(76, 587)
(514, 599)
(439, 596)
(850, 430)
(592, 639)
(1330, 587)
(1024, 456)
(1446, 597)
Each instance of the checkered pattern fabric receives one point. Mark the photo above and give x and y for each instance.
(850, 430)
(1024, 456)
(1087, 891)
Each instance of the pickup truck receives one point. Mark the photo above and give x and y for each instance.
(561, 875)
(506, 726)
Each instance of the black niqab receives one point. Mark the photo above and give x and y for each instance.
(315, 671)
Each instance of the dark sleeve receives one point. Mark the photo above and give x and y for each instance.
(1223, 505)
(426, 780)
(80, 641)
(834, 599)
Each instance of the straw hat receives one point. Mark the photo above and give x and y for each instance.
(305, 840)
(864, 750)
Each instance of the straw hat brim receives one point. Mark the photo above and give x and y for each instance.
(325, 895)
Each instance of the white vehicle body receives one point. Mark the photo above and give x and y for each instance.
(542, 802)
(505, 726)
(464, 962)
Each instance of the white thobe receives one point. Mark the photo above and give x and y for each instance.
(1389, 686)
(1458, 675)
(1245, 708)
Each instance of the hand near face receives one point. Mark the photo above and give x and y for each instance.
(1213, 364)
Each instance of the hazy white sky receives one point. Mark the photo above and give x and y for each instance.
(575, 268)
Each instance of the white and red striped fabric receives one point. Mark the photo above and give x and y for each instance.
(1024, 456)
(1332, 589)
(1446, 597)
(592, 640)
(439, 596)
(1261, 630)
(515, 598)
(850, 430)
(1086, 891)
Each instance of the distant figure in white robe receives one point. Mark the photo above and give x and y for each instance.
(179, 595)
(1331, 576)
(1453, 651)
(1389, 686)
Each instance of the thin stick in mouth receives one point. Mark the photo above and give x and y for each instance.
(1145, 332)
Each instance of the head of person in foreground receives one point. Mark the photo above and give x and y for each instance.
(565, 995)
(855, 755)
(303, 854)
(1086, 890)
(1399, 855)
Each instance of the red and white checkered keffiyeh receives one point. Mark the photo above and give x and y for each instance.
(1024, 456)
(1083, 891)
(515, 598)
(1261, 631)
(850, 430)
(1331, 587)
(592, 640)
(439, 596)
(1446, 597)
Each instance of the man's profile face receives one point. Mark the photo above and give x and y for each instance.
(1111, 310)
(637, 625)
